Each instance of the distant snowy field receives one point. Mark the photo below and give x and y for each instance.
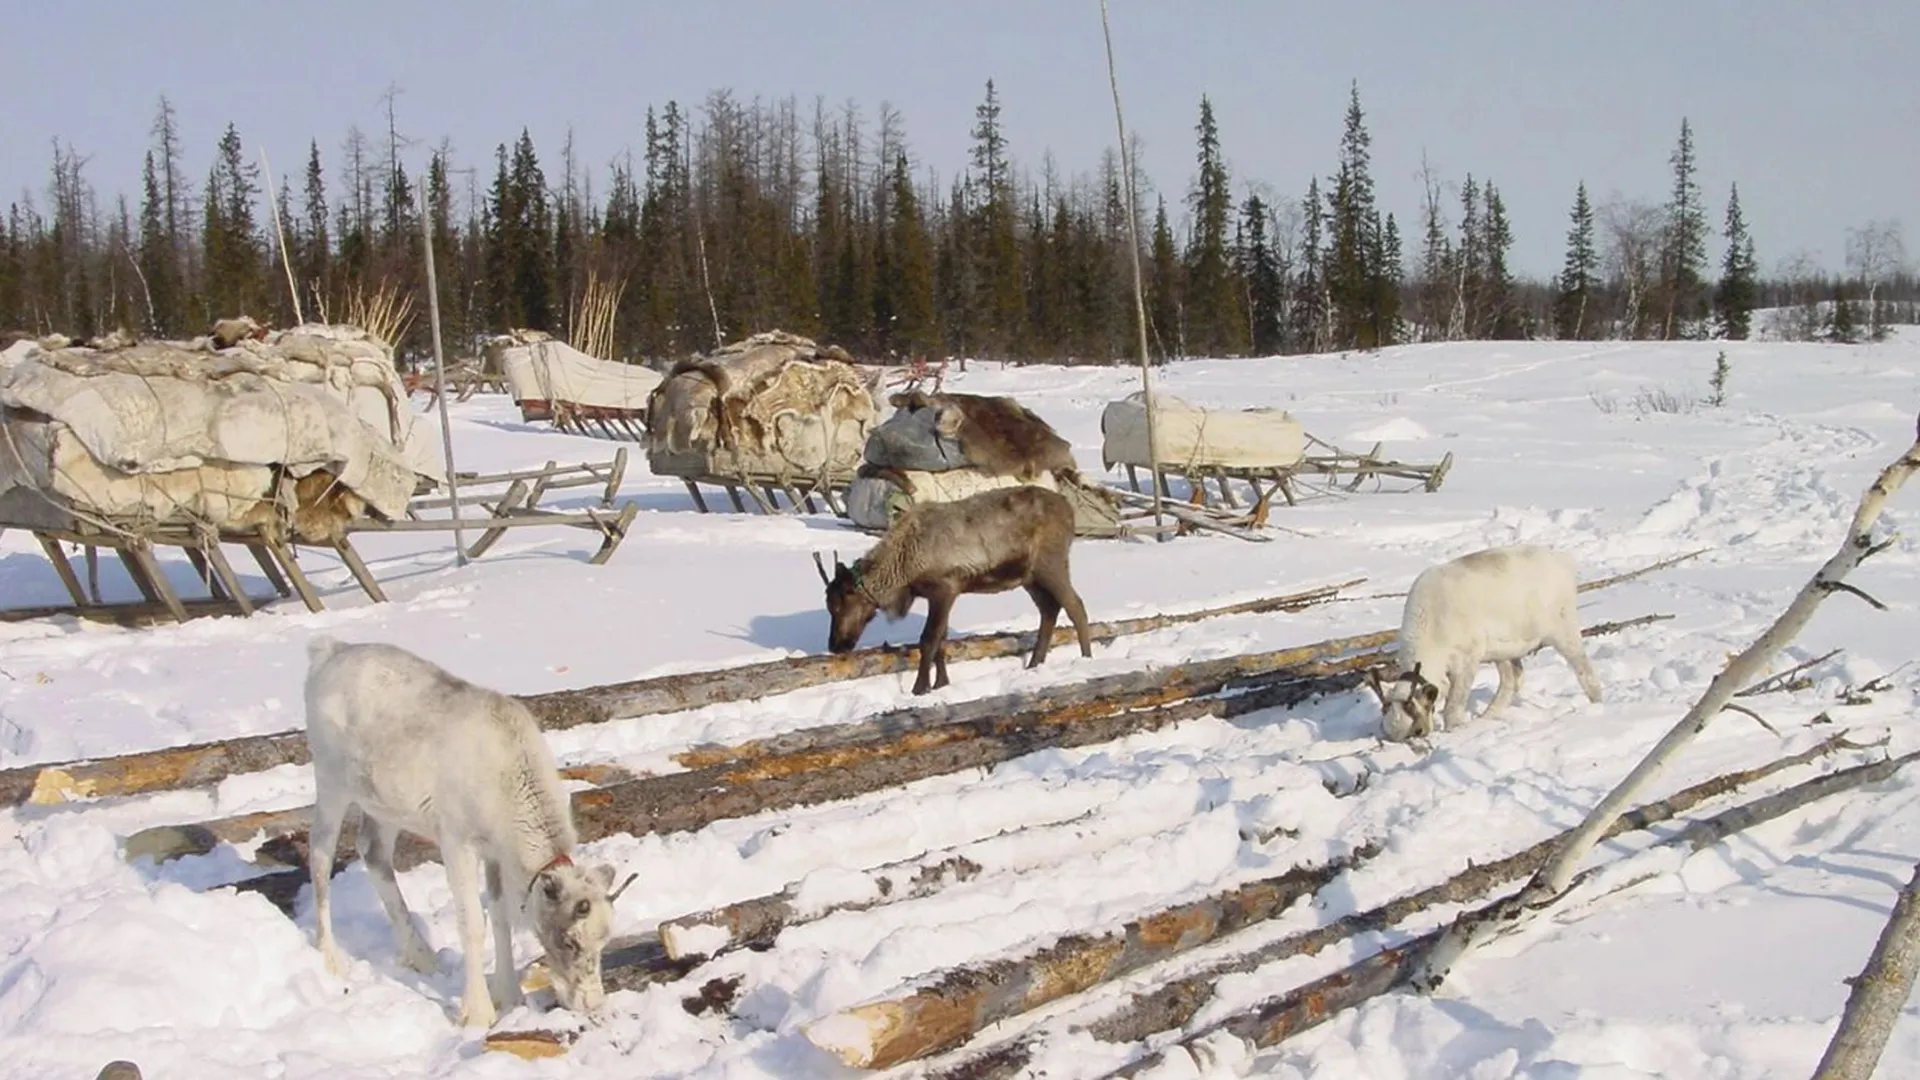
(1729, 967)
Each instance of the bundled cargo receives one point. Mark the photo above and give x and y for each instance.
(773, 412)
(551, 380)
(291, 433)
(945, 447)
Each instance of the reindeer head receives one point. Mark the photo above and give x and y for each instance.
(849, 606)
(571, 909)
(1406, 704)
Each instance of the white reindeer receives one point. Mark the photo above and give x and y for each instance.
(419, 749)
(1500, 605)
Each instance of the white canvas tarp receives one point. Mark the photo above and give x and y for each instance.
(1190, 436)
(540, 368)
(165, 431)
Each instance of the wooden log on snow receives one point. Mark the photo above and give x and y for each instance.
(1174, 1004)
(1277, 1019)
(954, 1007)
(1879, 993)
(681, 802)
(204, 764)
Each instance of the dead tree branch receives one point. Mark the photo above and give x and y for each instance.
(1174, 1004)
(1552, 880)
(1272, 1021)
(1879, 993)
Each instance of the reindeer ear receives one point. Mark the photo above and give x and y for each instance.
(550, 887)
(602, 874)
(1429, 693)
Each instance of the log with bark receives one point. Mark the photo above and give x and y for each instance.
(1879, 993)
(680, 802)
(1551, 881)
(824, 768)
(1174, 1004)
(204, 764)
(1269, 1022)
(955, 1006)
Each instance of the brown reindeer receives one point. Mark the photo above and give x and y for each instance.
(985, 543)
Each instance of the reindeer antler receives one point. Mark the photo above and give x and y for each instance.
(822, 567)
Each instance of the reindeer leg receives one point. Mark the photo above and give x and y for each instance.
(933, 644)
(1043, 599)
(376, 841)
(323, 836)
(1057, 582)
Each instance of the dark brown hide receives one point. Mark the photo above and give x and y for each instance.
(998, 435)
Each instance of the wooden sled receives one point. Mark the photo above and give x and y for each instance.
(511, 500)
(763, 490)
(1330, 471)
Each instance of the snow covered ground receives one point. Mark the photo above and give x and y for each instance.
(1728, 966)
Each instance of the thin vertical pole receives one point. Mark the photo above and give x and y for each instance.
(1139, 288)
(286, 261)
(440, 380)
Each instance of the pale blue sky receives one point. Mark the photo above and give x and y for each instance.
(1813, 108)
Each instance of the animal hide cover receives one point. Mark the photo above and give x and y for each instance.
(775, 404)
(1190, 436)
(168, 432)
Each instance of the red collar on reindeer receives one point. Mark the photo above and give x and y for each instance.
(557, 861)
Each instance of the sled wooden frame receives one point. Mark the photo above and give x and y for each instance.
(134, 544)
(764, 490)
(1320, 469)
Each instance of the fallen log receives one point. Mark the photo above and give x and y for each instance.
(960, 1003)
(203, 764)
(1879, 993)
(682, 802)
(1174, 1004)
(1277, 1019)
(825, 771)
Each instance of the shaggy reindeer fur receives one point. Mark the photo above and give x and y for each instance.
(985, 543)
(998, 435)
(420, 750)
(1500, 605)
(227, 333)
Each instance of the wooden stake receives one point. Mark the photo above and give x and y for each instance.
(1139, 289)
(440, 380)
(286, 262)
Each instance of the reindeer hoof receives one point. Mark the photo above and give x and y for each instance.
(477, 1012)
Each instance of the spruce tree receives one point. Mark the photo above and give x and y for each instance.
(1574, 289)
(234, 262)
(313, 249)
(1310, 314)
(1842, 327)
(1436, 265)
(1215, 321)
(1350, 276)
(1733, 301)
(1385, 263)
(1164, 295)
(909, 279)
(1502, 319)
(157, 262)
(1469, 267)
(996, 224)
(1683, 248)
(1260, 267)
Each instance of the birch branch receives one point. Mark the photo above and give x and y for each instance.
(1552, 880)
(1879, 993)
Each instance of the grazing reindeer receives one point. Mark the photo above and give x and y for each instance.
(1495, 605)
(419, 749)
(985, 543)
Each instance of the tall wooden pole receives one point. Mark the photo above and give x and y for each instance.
(440, 381)
(1139, 289)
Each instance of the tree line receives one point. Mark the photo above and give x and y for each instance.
(744, 216)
